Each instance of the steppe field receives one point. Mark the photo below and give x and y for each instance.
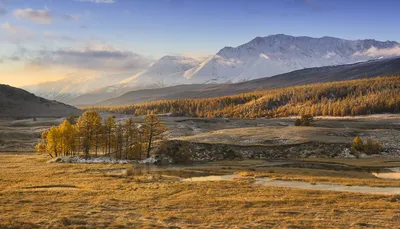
(303, 192)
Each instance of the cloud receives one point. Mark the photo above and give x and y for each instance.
(375, 52)
(10, 28)
(38, 16)
(98, 57)
(97, 1)
(17, 33)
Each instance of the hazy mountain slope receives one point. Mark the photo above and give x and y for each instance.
(164, 72)
(147, 95)
(18, 103)
(275, 54)
(69, 88)
(384, 67)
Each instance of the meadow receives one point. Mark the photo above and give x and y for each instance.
(36, 194)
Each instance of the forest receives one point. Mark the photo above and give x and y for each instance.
(90, 134)
(344, 98)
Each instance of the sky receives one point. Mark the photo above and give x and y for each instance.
(46, 40)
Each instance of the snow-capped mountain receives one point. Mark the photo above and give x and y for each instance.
(260, 57)
(167, 71)
(275, 54)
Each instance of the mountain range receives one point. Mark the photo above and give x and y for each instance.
(258, 58)
(368, 69)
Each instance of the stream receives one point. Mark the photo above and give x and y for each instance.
(303, 185)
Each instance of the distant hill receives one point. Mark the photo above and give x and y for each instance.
(148, 95)
(369, 69)
(18, 103)
(344, 98)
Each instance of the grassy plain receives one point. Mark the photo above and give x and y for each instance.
(35, 194)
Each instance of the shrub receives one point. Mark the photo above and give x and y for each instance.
(372, 147)
(358, 144)
(297, 122)
(304, 121)
(307, 119)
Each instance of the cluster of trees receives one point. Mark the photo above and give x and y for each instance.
(355, 97)
(91, 134)
(369, 147)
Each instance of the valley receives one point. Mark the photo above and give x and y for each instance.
(183, 114)
(255, 172)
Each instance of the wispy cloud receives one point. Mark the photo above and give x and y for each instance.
(17, 33)
(375, 52)
(94, 56)
(10, 28)
(38, 16)
(98, 1)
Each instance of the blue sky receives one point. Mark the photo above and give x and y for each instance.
(154, 28)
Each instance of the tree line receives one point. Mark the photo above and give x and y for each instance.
(90, 134)
(344, 98)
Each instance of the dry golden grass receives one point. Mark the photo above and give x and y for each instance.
(85, 197)
(370, 162)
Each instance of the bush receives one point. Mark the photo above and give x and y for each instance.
(372, 147)
(297, 122)
(358, 144)
(307, 119)
(304, 121)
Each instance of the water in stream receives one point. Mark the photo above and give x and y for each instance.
(304, 185)
(395, 174)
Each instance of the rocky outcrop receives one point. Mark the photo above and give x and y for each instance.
(185, 152)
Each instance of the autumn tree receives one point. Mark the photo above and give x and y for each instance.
(67, 137)
(71, 119)
(119, 140)
(131, 137)
(41, 147)
(87, 126)
(109, 128)
(53, 141)
(153, 129)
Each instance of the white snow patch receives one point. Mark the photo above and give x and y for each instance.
(150, 160)
(346, 153)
